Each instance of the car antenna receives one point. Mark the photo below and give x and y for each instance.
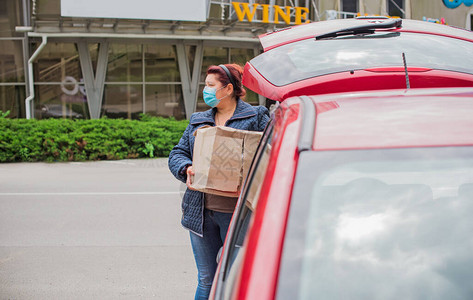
(405, 69)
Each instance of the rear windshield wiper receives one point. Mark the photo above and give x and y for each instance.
(362, 29)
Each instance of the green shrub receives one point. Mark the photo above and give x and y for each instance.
(79, 140)
(3, 115)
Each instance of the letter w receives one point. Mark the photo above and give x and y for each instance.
(246, 10)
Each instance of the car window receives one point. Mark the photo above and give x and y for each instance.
(380, 224)
(310, 58)
(244, 212)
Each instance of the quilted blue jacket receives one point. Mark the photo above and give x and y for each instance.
(245, 117)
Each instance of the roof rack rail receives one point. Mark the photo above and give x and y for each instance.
(306, 137)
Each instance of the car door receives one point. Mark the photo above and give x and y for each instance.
(235, 242)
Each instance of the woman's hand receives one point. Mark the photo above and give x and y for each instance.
(190, 172)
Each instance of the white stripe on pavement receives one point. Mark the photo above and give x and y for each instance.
(89, 193)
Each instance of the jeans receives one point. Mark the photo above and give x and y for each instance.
(206, 249)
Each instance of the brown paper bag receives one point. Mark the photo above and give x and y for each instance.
(222, 158)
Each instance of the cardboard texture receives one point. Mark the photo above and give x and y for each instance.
(222, 159)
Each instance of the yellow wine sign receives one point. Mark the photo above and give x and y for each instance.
(243, 11)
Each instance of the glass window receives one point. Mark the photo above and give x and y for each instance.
(241, 56)
(165, 101)
(221, 55)
(11, 15)
(215, 11)
(312, 58)
(161, 64)
(60, 101)
(124, 63)
(382, 224)
(201, 106)
(213, 56)
(395, 7)
(56, 62)
(123, 101)
(350, 6)
(12, 98)
(11, 61)
(251, 97)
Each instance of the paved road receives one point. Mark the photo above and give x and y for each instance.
(93, 230)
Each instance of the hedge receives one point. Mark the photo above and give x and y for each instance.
(79, 140)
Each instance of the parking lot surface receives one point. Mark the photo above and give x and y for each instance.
(93, 230)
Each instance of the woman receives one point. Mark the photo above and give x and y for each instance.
(207, 216)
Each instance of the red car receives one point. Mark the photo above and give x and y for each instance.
(360, 54)
(357, 196)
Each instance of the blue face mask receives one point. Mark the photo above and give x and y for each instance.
(210, 97)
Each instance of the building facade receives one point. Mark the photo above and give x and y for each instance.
(106, 58)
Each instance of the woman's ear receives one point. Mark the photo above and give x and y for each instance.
(230, 88)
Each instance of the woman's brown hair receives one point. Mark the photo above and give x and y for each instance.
(236, 71)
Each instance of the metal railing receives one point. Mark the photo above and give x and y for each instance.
(334, 14)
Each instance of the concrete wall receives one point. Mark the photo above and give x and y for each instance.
(328, 5)
(373, 7)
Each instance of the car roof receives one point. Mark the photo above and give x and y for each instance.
(393, 119)
(305, 31)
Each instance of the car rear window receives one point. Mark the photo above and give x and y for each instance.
(380, 224)
(310, 58)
